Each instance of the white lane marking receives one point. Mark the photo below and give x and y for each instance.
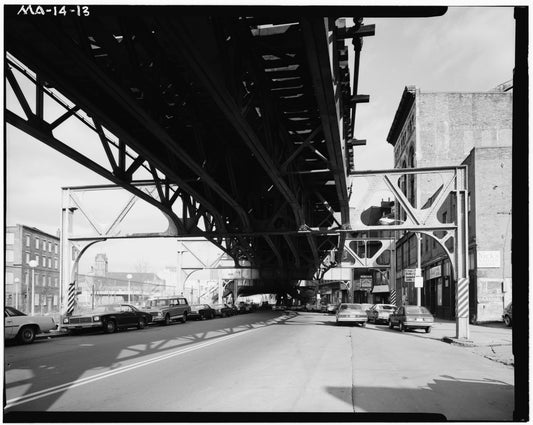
(82, 381)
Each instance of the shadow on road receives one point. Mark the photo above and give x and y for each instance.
(38, 370)
(454, 397)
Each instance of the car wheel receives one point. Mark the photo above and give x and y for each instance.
(402, 327)
(390, 325)
(507, 320)
(428, 329)
(167, 320)
(26, 335)
(142, 323)
(110, 327)
(184, 318)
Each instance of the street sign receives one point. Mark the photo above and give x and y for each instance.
(419, 282)
(410, 274)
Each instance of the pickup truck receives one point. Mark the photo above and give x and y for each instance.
(166, 309)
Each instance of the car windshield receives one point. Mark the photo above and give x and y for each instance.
(14, 312)
(416, 310)
(351, 307)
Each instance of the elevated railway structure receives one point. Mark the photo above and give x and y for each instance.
(243, 124)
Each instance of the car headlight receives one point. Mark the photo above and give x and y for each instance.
(96, 318)
(160, 313)
(65, 320)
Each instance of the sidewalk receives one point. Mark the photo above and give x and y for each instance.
(491, 340)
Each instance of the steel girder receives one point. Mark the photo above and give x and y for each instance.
(234, 116)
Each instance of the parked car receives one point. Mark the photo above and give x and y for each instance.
(411, 317)
(108, 318)
(508, 314)
(380, 313)
(351, 313)
(223, 310)
(23, 328)
(331, 308)
(244, 307)
(166, 309)
(201, 311)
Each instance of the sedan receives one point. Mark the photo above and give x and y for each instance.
(380, 313)
(23, 328)
(411, 317)
(201, 311)
(223, 310)
(108, 318)
(507, 315)
(351, 313)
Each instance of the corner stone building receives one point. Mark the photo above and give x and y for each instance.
(450, 129)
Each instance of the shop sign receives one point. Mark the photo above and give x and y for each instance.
(380, 289)
(419, 282)
(366, 281)
(435, 272)
(488, 259)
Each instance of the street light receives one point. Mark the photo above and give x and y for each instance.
(32, 264)
(129, 276)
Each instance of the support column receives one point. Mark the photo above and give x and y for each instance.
(64, 271)
(461, 264)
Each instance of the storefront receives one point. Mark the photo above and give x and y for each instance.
(439, 290)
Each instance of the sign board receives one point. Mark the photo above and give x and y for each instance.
(377, 289)
(410, 274)
(435, 272)
(345, 285)
(338, 273)
(366, 281)
(488, 259)
(419, 282)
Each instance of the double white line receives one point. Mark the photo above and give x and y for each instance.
(83, 381)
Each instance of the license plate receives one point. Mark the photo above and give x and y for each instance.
(419, 319)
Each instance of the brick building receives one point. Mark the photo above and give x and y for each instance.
(449, 129)
(24, 244)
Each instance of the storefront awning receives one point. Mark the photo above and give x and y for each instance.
(380, 289)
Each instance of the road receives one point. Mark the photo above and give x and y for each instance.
(260, 362)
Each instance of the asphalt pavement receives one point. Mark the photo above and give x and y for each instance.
(492, 340)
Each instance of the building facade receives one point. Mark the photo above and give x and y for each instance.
(450, 129)
(32, 261)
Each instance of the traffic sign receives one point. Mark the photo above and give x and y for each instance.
(419, 282)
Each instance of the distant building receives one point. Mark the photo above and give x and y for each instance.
(449, 129)
(24, 244)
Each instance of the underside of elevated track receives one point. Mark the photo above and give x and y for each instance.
(241, 118)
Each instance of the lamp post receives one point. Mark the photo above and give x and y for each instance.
(32, 264)
(129, 276)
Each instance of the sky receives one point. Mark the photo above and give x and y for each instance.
(469, 49)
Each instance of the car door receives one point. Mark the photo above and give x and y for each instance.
(8, 325)
(127, 316)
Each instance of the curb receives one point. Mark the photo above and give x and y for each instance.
(462, 342)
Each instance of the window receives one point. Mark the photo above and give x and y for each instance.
(55, 263)
(55, 282)
(9, 278)
(10, 238)
(50, 262)
(44, 261)
(37, 243)
(55, 248)
(37, 259)
(10, 255)
(27, 257)
(27, 240)
(50, 246)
